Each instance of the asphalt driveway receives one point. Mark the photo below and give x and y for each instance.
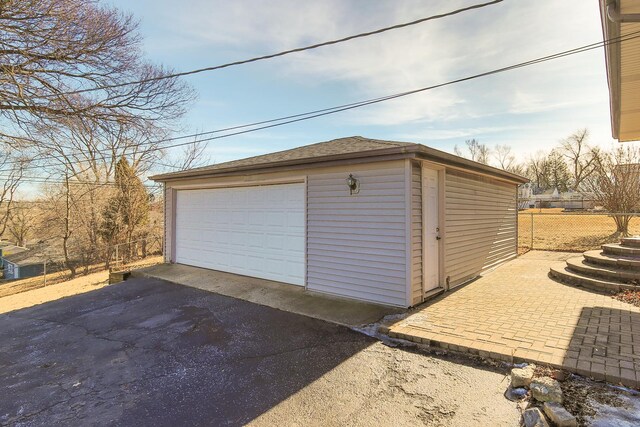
(148, 352)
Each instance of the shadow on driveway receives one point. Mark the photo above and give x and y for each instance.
(148, 352)
(604, 345)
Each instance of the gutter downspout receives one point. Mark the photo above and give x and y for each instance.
(614, 15)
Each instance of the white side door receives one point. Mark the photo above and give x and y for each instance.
(430, 229)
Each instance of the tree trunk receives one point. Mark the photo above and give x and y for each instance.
(144, 248)
(622, 224)
(107, 257)
(67, 231)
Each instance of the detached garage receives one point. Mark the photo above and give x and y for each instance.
(379, 221)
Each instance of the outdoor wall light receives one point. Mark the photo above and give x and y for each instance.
(353, 184)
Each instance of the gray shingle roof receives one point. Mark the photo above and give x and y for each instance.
(351, 144)
(342, 148)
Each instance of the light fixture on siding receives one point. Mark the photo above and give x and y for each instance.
(353, 184)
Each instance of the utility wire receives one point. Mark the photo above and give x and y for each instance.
(290, 51)
(332, 110)
(37, 180)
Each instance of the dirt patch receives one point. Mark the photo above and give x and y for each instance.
(580, 395)
(32, 291)
(629, 296)
(546, 371)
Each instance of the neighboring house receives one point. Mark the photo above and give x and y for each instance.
(9, 249)
(566, 200)
(380, 221)
(27, 263)
(621, 18)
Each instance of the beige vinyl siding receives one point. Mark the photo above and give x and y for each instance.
(416, 233)
(480, 224)
(356, 244)
(168, 224)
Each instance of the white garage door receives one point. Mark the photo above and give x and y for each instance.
(254, 231)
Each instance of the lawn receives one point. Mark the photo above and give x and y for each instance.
(33, 291)
(574, 232)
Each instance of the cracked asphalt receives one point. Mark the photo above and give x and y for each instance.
(149, 352)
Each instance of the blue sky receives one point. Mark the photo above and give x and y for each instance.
(528, 109)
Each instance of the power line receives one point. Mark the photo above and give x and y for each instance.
(332, 110)
(37, 180)
(290, 51)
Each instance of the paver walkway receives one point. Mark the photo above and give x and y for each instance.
(517, 313)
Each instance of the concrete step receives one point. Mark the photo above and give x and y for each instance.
(617, 261)
(564, 275)
(582, 266)
(631, 242)
(618, 249)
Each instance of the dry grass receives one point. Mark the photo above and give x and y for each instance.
(572, 232)
(32, 291)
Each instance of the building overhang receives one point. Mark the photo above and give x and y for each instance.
(621, 29)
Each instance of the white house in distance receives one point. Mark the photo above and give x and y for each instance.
(380, 221)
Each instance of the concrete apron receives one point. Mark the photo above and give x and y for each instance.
(290, 298)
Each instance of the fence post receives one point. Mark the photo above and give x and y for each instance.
(531, 231)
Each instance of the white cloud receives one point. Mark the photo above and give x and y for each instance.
(534, 105)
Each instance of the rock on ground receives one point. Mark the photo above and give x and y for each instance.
(558, 415)
(521, 377)
(533, 417)
(546, 389)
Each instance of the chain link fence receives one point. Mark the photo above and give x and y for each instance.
(123, 253)
(561, 230)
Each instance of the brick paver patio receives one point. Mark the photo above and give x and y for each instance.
(517, 313)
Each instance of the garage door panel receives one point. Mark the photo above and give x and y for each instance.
(255, 231)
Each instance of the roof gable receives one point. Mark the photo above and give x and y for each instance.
(348, 145)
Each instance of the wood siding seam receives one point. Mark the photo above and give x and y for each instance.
(166, 229)
(306, 233)
(408, 175)
(417, 294)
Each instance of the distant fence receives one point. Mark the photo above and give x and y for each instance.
(555, 230)
(138, 249)
(573, 203)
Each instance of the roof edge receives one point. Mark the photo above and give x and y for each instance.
(433, 154)
(413, 150)
(610, 31)
(198, 173)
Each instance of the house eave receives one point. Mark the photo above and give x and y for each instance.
(396, 153)
(610, 31)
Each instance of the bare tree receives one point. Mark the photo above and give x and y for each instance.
(53, 50)
(12, 170)
(548, 171)
(22, 222)
(127, 211)
(537, 171)
(615, 183)
(558, 172)
(580, 155)
(506, 160)
(504, 156)
(192, 156)
(475, 151)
